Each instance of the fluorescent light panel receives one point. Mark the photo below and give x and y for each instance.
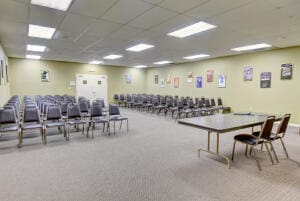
(55, 4)
(192, 29)
(162, 62)
(252, 47)
(140, 66)
(112, 56)
(36, 48)
(33, 56)
(95, 62)
(196, 56)
(139, 47)
(40, 31)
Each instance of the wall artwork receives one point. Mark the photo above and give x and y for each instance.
(265, 80)
(162, 82)
(248, 73)
(45, 76)
(169, 79)
(1, 73)
(189, 77)
(155, 79)
(222, 81)
(199, 82)
(6, 71)
(210, 75)
(286, 71)
(176, 82)
(128, 78)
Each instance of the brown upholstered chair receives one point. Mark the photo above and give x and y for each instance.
(264, 137)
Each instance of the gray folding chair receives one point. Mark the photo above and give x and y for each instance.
(74, 118)
(114, 115)
(96, 117)
(8, 121)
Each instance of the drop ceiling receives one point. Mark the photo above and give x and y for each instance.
(92, 29)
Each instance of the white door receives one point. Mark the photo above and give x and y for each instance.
(91, 86)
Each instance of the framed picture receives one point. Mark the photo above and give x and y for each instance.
(1, 72)
(162, 82)
(286, 71)
(155, 79)
(169, 79)
(189, 77)
(248, 73)
(45, 76)
(265, 80)
(210, 75)
(222, 81)
(6, 72)
(128, 78)
(199, 82)
(176, 82)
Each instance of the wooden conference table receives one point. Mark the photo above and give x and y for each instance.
(223, 123)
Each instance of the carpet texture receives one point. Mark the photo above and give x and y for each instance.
(155, 161)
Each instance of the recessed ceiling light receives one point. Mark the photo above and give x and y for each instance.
(95, 62)
(162, 62)
(196, 56)
(140, 66)
(56, 4)
(192, 29)
(33, 56)
(139, 47)
(112, 56)
(252, 47)
(36, 48)
(40, 31)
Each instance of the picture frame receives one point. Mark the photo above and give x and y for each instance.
(210, 75)
(286, 71)
(265, 80)
(155, 79)
(248, 73)
(45, 76)
(176, 82)
(199, 82)
(169, 79)
(189, 77)
(128, 78)
(222, 81)
(6, 73)
(162, 82)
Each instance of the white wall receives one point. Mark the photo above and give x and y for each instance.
(4, 87)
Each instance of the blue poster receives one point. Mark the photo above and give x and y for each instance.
(199, 82)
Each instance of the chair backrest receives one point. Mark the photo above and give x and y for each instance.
(266, 130)
(191, 103)
(64, 107)
(96, 110)
(31, 114)
(114, 110)
(200, 104)
(73, 111)
(53, 112)
(7, 116)
(220, 103)
(207, 103)
(83, 106)
(212, 102)
(116, 97)
(283, 125)
(169, 102)
(122, 97)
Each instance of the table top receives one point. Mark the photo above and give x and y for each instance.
(222, 123)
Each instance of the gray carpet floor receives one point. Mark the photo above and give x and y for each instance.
(155, 161)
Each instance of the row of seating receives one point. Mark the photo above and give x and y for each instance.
(178, 107)
(44, 112)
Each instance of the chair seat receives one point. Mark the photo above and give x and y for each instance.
(76, 121)
(98, 120)
(9, 127)
(32, 125)
(85, 115)
(118, 118)
(55, 124)
(248, 139)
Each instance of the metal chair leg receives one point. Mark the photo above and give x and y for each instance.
(246, 150)
(284, 148)
(257, 162)
(127, 126)
(275, 155)
(233, 149)
(114, 127)
(268, 150)
(120, 125)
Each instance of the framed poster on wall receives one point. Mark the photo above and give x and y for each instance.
(286, 71)
(6, 72)
(45, 76)
(199, 82)
(222, 81)
(155, 79)
(189, 77)
(210, 75)
(265, 80)
(176, 82)
(248, 73)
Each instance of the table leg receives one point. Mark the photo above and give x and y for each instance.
(217, 149)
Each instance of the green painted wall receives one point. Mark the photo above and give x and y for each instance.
(5, 86)
(25, 77)
(282, 97)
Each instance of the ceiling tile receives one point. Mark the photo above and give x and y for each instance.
(125, 33)
(92, 8)
(152, 17)
(102, 27)
(45, 16)
(181, 6)
(153, 1)
(13, 27)
(76, 23)
(13, 11)
(126, 10)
